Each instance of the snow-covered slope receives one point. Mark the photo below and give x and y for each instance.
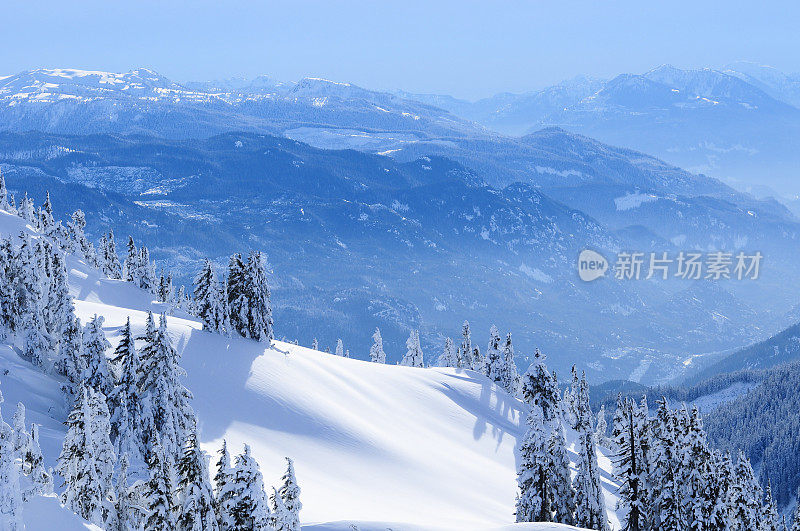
(432, 448)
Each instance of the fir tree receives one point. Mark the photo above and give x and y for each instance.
(413, 357)
(46, 223)
(259, 303)
(289, 492)
(465, 351)
(208, 300)
(494, 361)
(33, 465)
(376, 353)
(97, 374)
(249, 501)
(315, 344)
(339, 348)
(71, 361)
(223, 488)
(796, 519)
(4, 204)
(509, 378)
(539, 388)
(561, 492)
(130, 266)
(110, 261)
(280, 519)
(196, 500)
(158, 491)
(448, 357)
(77, 242)
(237, 296)
(534, 501)
(10, 492)
(629, 462)
(87, 458)
(590, 511)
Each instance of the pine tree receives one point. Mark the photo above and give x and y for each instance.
(448, 357)
(289, 492)
(124, 517)
(629, 463)
(10, 492)
(695, 472)
(376, 353)
(315, 344)
(259, 303)
(250, 509)
(770, 521)
(171, 412)
(560, 484)
(509, 378)
(796, 519)
(33, 465)
(494, 361)
(237, 296)
(97, 374)
(26, 211)
(590, 511)
(21, 435)
(223, 488)
(465, 351)
(71, 361)
(8, 298)
(534, 501)
(158, 491)
(60, 308)
(196, 500)
(413, 357)
(77, 242)
(109, 259)
(601, 428)
(130, 266)
(339, 348)
(539, 388)
(4, 204)
(207, 298)
(147, 271)
(46, 223)
(87, 458)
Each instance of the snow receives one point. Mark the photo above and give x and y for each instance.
(710, 402)
(635, 200)
(376, 446)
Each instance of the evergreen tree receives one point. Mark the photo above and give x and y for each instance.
(97, 374)
(33, 465)
(77, 242)
(237, 296)
(289, 492)
(10, 492)
(601, 428)
(71, 361)
(629, 463)
(109, 260)
(560, 484)
(224, 494)
(130, 266)
(590, 511)
(796, 519)
(534, 501)
(208, 300)
(465, 351)
(259, 303)
(196, 500)
(60, 309)
(663, 499)
(4, 204)
(376, 353)
(280, 519)
(448, 357)
(26, 211)
(158, 491)
(539, 388)
(249, 501)
(315, 344)
(494, 361)
(171, 412)
(87, 458)
(124, 515)
(46, 223)
(770, 521)
(413, 357)
(339, 348)
(509, 378)
(147, 271)
(9, 308)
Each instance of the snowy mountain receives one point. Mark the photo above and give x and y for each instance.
(368, 440)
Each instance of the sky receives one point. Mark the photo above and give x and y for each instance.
(465, 48)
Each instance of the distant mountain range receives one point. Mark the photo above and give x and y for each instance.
(424, 220)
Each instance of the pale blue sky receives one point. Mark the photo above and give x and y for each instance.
(465, 48)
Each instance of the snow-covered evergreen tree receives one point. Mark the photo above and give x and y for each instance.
(560, 483)
(376, 353)
(590, 511)
(413, 356)
(157, 494)
(47, 224)
(509, 378)
(539, 388)
(109, 260)
(77, 241)
(208, 299)
(10, 491)
(448, 357)
(124, 514)
(237, 296)
(147, 271)
(249, 505)
(195, 496)
(40, 479)
(493, 366)
(87, 457)
(289, 491)
(259, 303)
(629, 463)
(534, 500)
(130, 266)
(601, 428)
(4, 203)
(465, 351)
(97, 374)
(224, 495)
(339, 348)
